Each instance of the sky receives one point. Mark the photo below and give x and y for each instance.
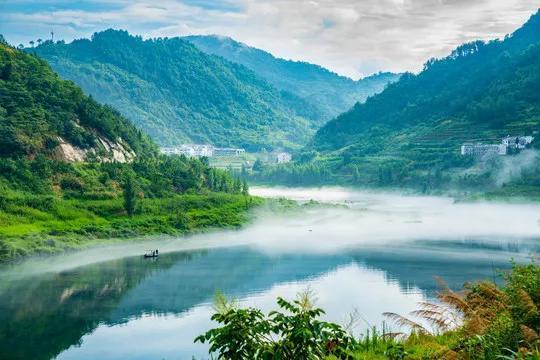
(352, 38)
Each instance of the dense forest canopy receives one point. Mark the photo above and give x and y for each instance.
(49, 203)
(37, 108)
(330, 93)
(177, 94)
(491, 84)
(413, 130)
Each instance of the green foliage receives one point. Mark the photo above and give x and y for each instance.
(130, 195)
(294, 334)
(48, 205)
(37, 107)
(411, 133)
(496, 323)
(326, 92)
(176, 93)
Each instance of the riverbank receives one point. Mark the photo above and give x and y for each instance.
(43, 225)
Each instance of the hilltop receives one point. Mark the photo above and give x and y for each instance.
(411, 133)
(330, 93)
(176, 93)
(73, 171)
(43, 114)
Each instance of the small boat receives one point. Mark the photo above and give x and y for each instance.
(151, 254)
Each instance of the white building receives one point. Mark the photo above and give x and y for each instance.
(517, 142)
(283, 157)
(483, 149)
(509, 143)
(228, 151)
(189, 150)
(199, 150)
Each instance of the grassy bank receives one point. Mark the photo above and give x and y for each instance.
(33, 224)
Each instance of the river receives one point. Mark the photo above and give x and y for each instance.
(362, 252)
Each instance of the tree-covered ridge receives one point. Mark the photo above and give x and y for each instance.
(176, 93)
(37, 108)
(414, 128)
(49, 205)
(329, 92)
(490, 84)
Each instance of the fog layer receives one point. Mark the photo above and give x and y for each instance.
(373, 219)
(346, 219)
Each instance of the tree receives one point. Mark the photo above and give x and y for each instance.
(245, 188)
(299, 334)
(130, 195)
(32, 43)
(39, 41)
(258, 165)
(356, 174)
(237, 185)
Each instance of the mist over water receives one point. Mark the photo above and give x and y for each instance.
(355, 219)
(365, 251)
(373, 219)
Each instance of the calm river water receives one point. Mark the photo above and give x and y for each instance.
(368, 253)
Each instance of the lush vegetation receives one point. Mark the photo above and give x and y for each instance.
(411, 133)
(48, 204)
(329, 93)
(37, 108)
(176, 93)
(481, 322)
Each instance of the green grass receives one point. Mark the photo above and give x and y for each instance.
(26, 229)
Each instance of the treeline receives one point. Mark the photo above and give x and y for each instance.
(291, 174)
(159, 176)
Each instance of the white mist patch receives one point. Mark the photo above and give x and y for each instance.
(368, 219)
(375, 219)
(512, 167)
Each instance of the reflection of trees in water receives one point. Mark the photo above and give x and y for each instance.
(418, 269)
(44, 315)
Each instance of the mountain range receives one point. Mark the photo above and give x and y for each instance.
(177, 93)
(481, 92)
(329, 92)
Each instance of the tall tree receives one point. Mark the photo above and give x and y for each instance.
(130, 195)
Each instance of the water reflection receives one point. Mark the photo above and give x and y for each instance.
(132, 308)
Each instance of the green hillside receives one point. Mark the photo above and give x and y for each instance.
(38, 109)
(411, 133)
(329, 92)
(176, 93)
(118, 186)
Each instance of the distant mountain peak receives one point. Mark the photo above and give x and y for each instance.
(330, 92)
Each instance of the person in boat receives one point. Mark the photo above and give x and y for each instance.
(157, 252)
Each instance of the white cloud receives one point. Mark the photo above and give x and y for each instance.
(350, 37)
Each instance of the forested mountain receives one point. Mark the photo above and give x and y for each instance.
(72, 170)
(329, 92)
(176, 93)
(479, 93)
(38, 111)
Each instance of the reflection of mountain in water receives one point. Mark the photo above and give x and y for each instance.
(42, 316)
(236, 272)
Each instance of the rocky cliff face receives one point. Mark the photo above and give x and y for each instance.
(105, 151)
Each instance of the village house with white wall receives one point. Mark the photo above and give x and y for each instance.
(509, 144)
(201, 150)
